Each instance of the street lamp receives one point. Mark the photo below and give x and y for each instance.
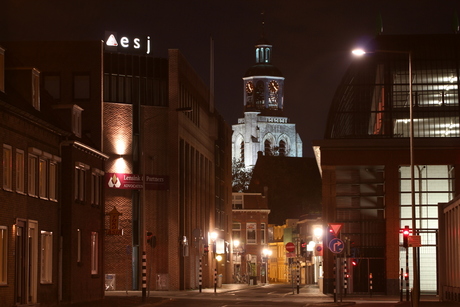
(360, 52)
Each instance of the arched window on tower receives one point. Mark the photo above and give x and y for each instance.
(267, 55)
(242, 151)
(267, 148)
(282, 149)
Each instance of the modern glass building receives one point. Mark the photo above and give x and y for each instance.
(365, 159)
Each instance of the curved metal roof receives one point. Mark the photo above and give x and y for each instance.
(372, 100)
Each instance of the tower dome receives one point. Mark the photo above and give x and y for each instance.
(263, 82)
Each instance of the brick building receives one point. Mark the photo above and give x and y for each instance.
(250, 225)
(47, 210)
(154, 117)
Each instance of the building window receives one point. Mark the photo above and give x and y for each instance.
(46, 270)
(251, 236)
(7, 168)
(32, 175)
(236, 231)
(19, 171)
(81, 87)
(242, 151)
(262, 233)
(96, 180)
(52, 181)
(94, 253)
(282, 148)
(434, 185)
(3, 254)
(80, 180)
(42, 178)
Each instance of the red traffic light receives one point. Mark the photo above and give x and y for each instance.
(406, 232)
(354, 262)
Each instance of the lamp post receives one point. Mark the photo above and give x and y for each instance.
(237, 262)
(360, 52)
(266, 253)
(214, 236)
(318, 234)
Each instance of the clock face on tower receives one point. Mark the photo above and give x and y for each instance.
(273, 86)
(249, 87)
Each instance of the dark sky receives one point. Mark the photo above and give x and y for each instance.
(311, 39)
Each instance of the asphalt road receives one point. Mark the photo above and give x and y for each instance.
(243, 295)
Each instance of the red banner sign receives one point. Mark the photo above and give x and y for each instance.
(136, 182)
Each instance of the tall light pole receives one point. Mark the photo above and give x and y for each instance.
(416, 279)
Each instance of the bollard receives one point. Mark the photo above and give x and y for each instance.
(401, 286)
(200, 276)
(370, 283)
(144, 276)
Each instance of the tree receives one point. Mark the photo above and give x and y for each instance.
(241, 176)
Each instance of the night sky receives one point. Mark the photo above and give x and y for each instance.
(311, 39)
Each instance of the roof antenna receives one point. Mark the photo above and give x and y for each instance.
(263, 24)
(379, 25)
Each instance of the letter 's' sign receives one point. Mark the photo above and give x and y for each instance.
(113, 42)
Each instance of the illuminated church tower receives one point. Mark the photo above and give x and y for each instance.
(263, 127)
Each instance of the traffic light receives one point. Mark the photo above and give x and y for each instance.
(303, 250)
(354, 262)
(406, 232)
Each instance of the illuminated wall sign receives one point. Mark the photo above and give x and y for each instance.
(136, 182)
(112, 42)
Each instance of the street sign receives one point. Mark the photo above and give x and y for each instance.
(290, 247)
(336, 246)
(415, 241)
(335, 227)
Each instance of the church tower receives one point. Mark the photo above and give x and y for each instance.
(263, 127)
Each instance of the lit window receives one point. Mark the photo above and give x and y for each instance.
(19, 171)
(3, 254)
(251, 236)
(32, 175)
(7, 167)
(46, 270)
(94, 253)
(42, 178)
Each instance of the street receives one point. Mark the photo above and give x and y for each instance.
(241, 295)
